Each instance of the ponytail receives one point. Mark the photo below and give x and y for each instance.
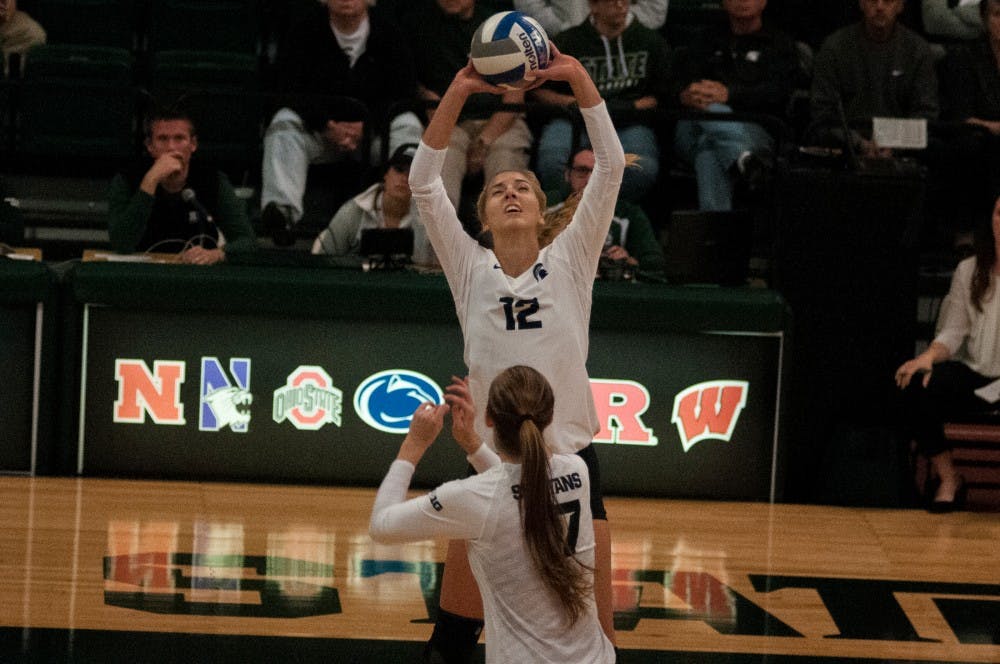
(521, 406)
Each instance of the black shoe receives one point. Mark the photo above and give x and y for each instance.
(955, 504)
(756, 170)
(278, 225)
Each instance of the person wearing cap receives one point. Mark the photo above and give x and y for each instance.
(385, 204)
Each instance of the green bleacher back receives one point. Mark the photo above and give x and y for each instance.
(216, 25)
(76, 101)
(221, 92)
(93, 22)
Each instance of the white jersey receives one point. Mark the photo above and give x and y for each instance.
(524, 620)
(539, 318)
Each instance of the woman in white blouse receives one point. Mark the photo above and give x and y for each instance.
(964, 356)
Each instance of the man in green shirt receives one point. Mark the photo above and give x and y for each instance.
(631, 241)
(171, 202)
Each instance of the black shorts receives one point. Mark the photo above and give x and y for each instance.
(589, 457)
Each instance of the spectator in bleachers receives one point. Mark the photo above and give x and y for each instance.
(631, 241)
(940, 383)
(487, 139)
(951, 19)
(746, 67)
(970, 96)
(149, 208)
(558, 15)
(339, 54)
(18, 32)
(630, 64)
(876, 67)
(386, 204)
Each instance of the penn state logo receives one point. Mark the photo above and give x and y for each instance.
(386, 400)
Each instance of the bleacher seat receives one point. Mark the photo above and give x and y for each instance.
(91, 22)
(210, 25)
(686, 19)
(221, 92)
(75, 108)
(976, 454)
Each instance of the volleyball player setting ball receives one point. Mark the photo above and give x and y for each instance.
(519, 303)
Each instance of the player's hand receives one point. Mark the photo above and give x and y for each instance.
(471, 82)
(463, 414)
(426, 424)
(561, 67)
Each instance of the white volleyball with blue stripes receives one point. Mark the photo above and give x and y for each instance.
(508, 47)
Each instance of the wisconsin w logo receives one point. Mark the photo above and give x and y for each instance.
(709, 410)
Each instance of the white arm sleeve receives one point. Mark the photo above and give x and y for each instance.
(483, 458)
(395, 520)
(451, 243)
(592, 219)
(953, 321)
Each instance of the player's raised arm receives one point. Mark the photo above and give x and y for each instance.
(567, 68)
(467, 82)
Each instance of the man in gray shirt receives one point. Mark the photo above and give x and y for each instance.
(876, 67)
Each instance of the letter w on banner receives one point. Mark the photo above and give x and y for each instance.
(709, 410)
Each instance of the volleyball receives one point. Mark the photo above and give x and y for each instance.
(508, 47)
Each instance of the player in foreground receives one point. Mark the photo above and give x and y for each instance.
(526, 518)
(518, 303)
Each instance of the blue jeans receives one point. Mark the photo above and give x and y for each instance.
(556, 143)
(712, 148)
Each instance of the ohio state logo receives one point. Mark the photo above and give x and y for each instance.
(709, 410)
(308, 400)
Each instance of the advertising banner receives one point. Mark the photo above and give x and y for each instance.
(275, 398)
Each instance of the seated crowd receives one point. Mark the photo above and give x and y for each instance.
(354, 82)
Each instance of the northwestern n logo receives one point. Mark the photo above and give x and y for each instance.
(225, 402)
(709, 410)
(141, 391)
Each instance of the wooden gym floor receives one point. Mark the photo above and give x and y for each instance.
(100, 570)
